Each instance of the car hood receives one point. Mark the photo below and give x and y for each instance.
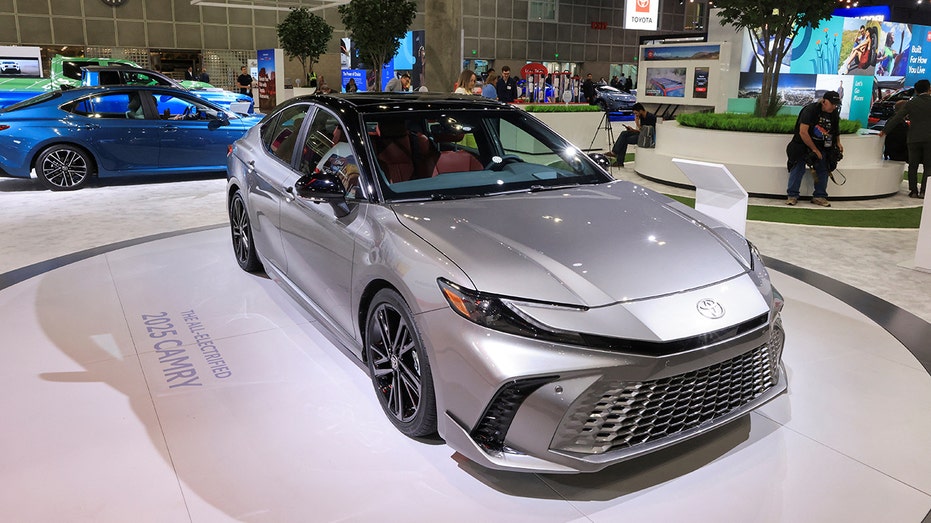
(587, 246)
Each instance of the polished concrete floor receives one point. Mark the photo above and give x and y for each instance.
(267, 421)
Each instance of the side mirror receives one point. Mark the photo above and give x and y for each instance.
(603, 161)
(221, 120)
(323, 186)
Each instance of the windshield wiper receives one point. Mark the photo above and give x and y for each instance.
(443, 196)
(540, 188)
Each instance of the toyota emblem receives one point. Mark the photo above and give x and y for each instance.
(710, 308)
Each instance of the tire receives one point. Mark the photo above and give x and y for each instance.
(399, 366)
(241, 230)
(64, 168)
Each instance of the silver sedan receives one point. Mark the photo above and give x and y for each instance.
(503, 290)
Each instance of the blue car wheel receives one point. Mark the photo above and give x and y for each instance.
(64, 167)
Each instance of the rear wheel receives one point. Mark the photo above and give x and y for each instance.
(399, 366)
(64, 168)
(241, 229)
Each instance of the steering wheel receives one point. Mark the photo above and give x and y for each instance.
(498, 162)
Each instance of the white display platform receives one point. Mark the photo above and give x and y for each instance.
(717, 193)
(758, 161)
(103, 422)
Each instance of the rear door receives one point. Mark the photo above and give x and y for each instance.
(121, 142)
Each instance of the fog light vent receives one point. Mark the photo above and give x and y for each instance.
(493, 426)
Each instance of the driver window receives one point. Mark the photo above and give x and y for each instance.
(172, 107)
(326, 148)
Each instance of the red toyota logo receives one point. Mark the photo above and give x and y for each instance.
(643, 6)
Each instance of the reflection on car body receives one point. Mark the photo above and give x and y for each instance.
(503, 290)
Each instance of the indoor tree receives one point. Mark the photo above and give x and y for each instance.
(376, 28)
(304, 35)
(772, 25)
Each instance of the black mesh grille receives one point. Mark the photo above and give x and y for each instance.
(618, 415)
(493, 427)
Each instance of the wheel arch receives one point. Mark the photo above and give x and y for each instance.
(365, 300)
(37, 152)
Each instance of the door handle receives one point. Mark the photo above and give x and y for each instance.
(170, 128)
(90, 126)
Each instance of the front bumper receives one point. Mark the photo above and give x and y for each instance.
(511, 403)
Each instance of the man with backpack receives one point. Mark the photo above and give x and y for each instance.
(816, 143)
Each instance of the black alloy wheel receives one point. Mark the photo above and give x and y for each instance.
(64, 168)
(399, 366)
(241, 229)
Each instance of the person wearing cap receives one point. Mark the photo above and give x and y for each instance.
(918, 112)
(399, 84)
(816, 134)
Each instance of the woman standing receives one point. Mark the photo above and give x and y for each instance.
(489, 90)
(466, 82)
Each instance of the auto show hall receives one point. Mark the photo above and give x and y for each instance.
(147, 378)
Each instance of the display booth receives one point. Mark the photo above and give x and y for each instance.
(534, 75)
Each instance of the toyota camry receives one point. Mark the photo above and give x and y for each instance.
(503, 290)
(65, 138)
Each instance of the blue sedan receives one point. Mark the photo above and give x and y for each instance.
(65, 138)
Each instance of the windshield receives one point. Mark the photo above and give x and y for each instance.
(465, 154)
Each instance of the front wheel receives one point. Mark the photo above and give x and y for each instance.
(64, 168)
(399, 366)
(241, 229)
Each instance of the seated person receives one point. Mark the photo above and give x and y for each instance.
(135, 112)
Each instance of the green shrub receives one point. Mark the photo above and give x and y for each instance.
(780, 124)
(562, 108)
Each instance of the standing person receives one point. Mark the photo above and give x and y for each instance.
(507, 86)
(641, 117)
(918, 112)
(189, 74)
(489, 90)
(204, 76)
(397, 84)
(816, 133)
(588, 89)
(466, 82)
(629, 84)
(895, 147)
(244, 82)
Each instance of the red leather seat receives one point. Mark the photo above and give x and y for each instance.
(453, 159)
(403, 155)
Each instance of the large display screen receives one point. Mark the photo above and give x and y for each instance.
(862, 59)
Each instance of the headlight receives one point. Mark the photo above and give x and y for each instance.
(497, 313)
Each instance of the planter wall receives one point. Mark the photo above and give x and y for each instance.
(758, 161)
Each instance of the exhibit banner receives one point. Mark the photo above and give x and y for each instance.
(641, 14)
(682, 52)
(266, 79)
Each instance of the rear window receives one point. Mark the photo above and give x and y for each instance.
(32, 101)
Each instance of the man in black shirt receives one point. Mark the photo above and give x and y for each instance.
(918, 112)
(588, 89)
(641, 117)
(507, 86)
(244, 82)
(817, 132)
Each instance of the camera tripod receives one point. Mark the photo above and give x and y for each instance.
(606, 125)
